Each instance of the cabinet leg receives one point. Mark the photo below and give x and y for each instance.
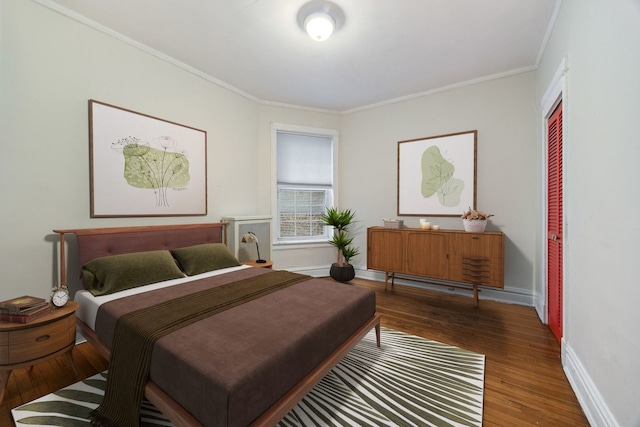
(386, 279)
(388, 275)
(475, 296)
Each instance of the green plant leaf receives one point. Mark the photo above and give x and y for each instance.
(436, 171)
(341, 240)
(349, 252)
(449, 195)
(338, 219)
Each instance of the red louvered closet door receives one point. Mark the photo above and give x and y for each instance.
(554, 223)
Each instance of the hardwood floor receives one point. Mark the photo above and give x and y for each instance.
(524, 381)
(24, 385)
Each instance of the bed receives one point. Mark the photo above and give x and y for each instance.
(248, 359)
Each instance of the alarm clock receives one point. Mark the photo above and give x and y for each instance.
(60, 296)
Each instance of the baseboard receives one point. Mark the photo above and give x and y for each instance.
(506, 295)
(79, 336)
(314, 271)
(541, 307)
(592, 403)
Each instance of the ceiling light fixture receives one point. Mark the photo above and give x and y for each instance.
(319, 26)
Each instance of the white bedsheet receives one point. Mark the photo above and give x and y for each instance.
(89, 304)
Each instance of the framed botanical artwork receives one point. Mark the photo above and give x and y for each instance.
(437, 175)
(145, 166)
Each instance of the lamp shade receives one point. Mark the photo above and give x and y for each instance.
(249, 237)
(319, 26)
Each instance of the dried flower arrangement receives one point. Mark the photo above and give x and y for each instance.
(472, 214)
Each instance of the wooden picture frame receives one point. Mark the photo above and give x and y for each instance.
(145, 166)
(437, 175)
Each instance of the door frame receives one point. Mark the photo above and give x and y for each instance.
(555, 94)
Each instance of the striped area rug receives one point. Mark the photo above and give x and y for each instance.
(409, 381)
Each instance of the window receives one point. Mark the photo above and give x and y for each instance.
(300, 212)
(304, 183)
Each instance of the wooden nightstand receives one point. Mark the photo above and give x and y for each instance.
(268, 264)
(27, 344)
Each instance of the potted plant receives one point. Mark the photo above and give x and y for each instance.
(340, 220)
(474, 220)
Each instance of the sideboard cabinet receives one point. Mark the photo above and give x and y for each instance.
(472, 259)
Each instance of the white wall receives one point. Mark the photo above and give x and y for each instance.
(51, 66)
(503, 112)
(601, 43)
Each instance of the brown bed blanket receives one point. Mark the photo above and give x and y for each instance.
(229, 368)
(137, 331)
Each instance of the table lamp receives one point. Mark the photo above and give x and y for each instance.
(249, 237)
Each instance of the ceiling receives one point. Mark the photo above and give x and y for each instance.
(381, 51)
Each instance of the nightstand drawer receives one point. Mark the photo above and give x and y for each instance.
(33, 343)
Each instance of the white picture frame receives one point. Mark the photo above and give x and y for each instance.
(145, 166)
(437, 175)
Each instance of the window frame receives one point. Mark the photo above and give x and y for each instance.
(328, 201)
(302, 130)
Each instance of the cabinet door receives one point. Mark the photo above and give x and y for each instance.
(427, 255)
(478, 258)
(385, 250)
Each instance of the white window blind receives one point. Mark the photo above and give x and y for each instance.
(304, 168)
(304, 159)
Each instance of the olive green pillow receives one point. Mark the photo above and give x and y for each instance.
(106, 275)
(202, 258)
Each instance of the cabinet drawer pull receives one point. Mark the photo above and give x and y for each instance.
(43, 338)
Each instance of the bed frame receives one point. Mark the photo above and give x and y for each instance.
(97, 242)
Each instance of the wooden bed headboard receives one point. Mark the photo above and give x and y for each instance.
(99, 242)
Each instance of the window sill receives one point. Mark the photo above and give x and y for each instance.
(283, 246)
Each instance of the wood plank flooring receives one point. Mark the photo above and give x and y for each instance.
(25, 385)
(524, 381)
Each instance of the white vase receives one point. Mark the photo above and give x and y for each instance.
(474, 225)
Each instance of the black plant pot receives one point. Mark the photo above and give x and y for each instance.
(342, 273)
